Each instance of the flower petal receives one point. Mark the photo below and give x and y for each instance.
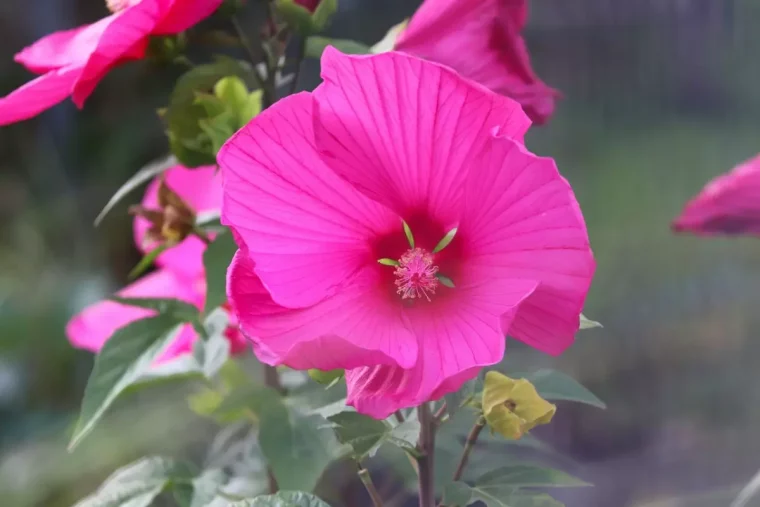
(306, 229)
(94, 325)
(37, 95)
(124, 37)
(201, 188)
(182, 14)
(455, 341)
(729, 204)
(402, 130)
(62, 49)
(353, 328)
(451, 31)
(522, 221)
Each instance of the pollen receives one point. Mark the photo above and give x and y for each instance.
(416, 274)
(119, 5)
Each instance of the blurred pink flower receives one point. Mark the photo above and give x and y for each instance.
(310, 5)
(315, 189)
(729, 204)
(72, 62)
(482, 40)
(181, 274)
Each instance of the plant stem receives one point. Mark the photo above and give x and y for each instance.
(440, 414)
(272, 379)
(468, 446)
(425, 462)
(301, 42)
(377, 500)
(261, 82)
(399, 416)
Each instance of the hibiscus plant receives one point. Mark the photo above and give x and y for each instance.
(334, 272)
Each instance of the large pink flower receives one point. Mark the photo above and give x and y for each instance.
(181, 274)
(316, 189)
(481, 39)
(729, 204)
(72, 62)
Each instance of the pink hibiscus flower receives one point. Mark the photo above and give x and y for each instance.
(181, 274)
(481, 39)
(729, 204)
(72, 62)
(317, 189)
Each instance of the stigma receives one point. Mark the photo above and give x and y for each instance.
(416, 274)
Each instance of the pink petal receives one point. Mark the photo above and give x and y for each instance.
(522, 221)
(729, 204)
(201, 188)
(90, 328)
(124, 37)
(451, 31)
(355, 327)
(403, 130)
(306, 229)
(62, 49)
(183, 14)
(455, 339)
(38, 95)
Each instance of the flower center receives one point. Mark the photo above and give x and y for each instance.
(119, 5)
(416, 274)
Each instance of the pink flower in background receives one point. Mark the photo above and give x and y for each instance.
(181, 274)
(482, 40)
(310, 5)
(729, 204)
(72, 62)
(316, 189)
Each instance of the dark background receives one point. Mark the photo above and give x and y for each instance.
(659, 97)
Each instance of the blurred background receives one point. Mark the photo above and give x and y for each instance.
(659, 97)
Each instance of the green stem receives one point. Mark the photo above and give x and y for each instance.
(366, 479)
(254, 57)
(425, 461)
(469, 445)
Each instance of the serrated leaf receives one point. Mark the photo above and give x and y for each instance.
(144, 175)
(556, 386)
(136, 485)
(297, 448)
(180, 311)
(529, 476)
(365, 435)
(588, 324)
(316, 45)
(120, 366)
(283, 499)
(216, 260)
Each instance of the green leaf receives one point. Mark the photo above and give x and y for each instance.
(212, 104)
(213, 352)
(448, 238)
(296, 16)
(216, 260)
(328, 378)
(146, 261)
(138, 484)
(298, 448)
(589, 324)
(529, 476)
(459, 494)
(365, 435)
(202, 490)
(180, 311)
(388, 42)
(218, 129)
(232, 91)
(323, 14)
(251, 108)
(184, 113)
(316, 45)
(283, 499)
(144, 175)
(554, 385)
(119, 366)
